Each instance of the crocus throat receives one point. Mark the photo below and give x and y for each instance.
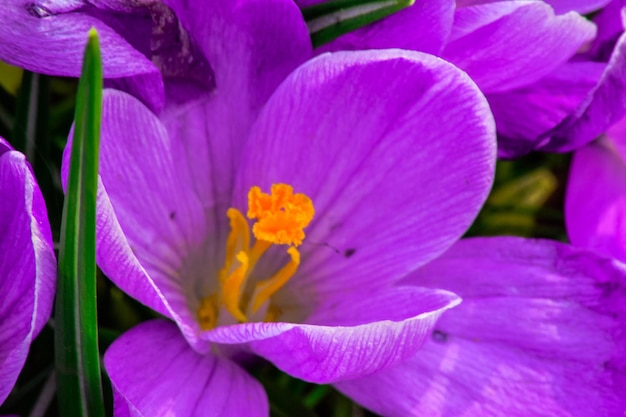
(280, 218)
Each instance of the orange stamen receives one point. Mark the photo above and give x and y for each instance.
(281, 215)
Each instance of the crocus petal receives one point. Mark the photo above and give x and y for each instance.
(610, 27)
(424, 26)
(559, 6)
(27, 264)
(603, 106)
(252, 46)
(151, 230)
(164, 250)
(50, 39)
(540, 332)
(391, 190)
(580, 6)
(520, 56)
(595, 210)
(154, 372)
(524, 114)
(361, 335)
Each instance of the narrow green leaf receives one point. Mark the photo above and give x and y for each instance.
(329, 20)
(76, 338)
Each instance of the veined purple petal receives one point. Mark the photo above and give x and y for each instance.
(524, 114)
(50, 39)
(153, 238)
(251, 51)
(595, 210)
(520, 56)
(34, 38)
(540, 332)
(396, 166)
(610, 27)
(580, 6)
(252, 46)
(27, 264)
(162, 238)
(424, 26)
(603, 106)
(154, 373)
(559, 6)
(359, 335)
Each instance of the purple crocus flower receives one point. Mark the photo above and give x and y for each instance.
(27, 264)
(364, 288)
(544, 95)
(343, 205)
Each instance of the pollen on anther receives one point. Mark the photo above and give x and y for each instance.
(281, 215)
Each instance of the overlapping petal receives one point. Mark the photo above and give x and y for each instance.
(362, 334)
(52, 42)
(155, 373)
(603, 106)
(559, 6)
(27, 264)
(194, 146)
(580, 6)
(50, 38)
(397, 166)
(595, 211)
(540, 332)
(151, 227)
(610, 27)
(515, 59)
(524, 114)
(424, 26)
(252, 46)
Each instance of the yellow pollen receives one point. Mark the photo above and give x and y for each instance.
(207, 312)
(280, 217)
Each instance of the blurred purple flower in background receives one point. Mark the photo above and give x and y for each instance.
(595, 210)
(525, 58)
(540, 332)
(27, 264)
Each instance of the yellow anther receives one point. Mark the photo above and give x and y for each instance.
(233, 286)
(281, 215)
(207, 312)
(265, 289)
(238, 239)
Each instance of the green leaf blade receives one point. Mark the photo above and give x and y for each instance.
(76, 336)
(329, 20)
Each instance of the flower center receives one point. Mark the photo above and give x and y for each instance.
(280, 217)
